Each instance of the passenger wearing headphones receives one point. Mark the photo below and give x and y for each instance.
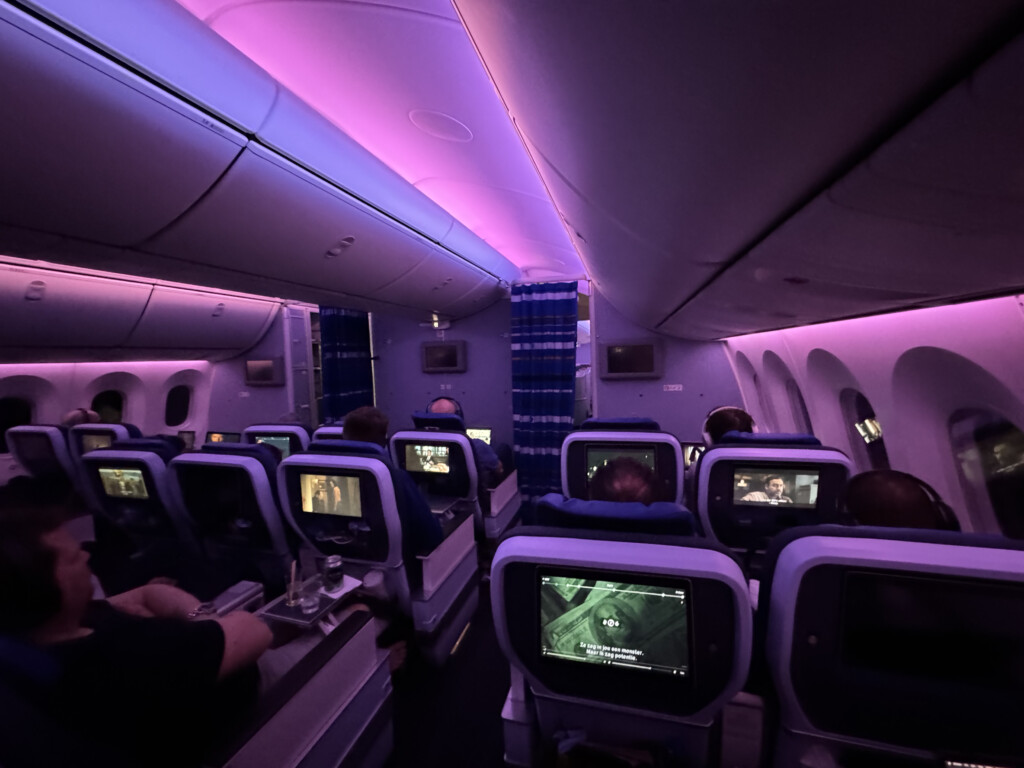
(488, 465)
(421, 532)
(727, 418)
(888, 498)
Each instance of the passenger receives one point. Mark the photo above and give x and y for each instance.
(624, 479)
(421, 532)
(888, 498)
(726, 419)
(488, 465)
(774, 492)
(135, 674)
(79, 416)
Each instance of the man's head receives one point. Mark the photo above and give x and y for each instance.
(886, 497)
(445, 405)
(624, 479)
(727, 419)
(774, 486)
(43, 570)
(366, 424)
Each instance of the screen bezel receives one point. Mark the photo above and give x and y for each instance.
(454, 483)
(711, 638)
(458, 347)
(368, 535)
(608, 370)
(752, 525)
(892, 708)
(664, 465)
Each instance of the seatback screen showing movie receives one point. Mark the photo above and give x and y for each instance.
(283, 443)
(757, 486)
(421, 457)
(598, 456)
(636, 624)
(95, 441)
(330, 495)
(479, 433)
(123, 483)
(223, 437)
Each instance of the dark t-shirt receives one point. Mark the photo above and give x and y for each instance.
(148, 687)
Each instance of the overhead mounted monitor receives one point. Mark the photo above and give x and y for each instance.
(444, 356)
(631, 360)
(265, 373)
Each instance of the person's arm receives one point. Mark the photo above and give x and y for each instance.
(245, 639)
(156, 600)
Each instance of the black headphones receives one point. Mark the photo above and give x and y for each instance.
(716, 409)
(943, 512)
(458, 407)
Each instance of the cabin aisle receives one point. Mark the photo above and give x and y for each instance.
(452, 716)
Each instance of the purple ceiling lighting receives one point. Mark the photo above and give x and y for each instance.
(404, 80)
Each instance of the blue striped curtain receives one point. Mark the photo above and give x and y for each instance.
(543, 381)
(346, 370)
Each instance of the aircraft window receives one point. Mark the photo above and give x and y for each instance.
(14, 411)
(109, 404)
(865, 431)
(990, 455)
(798, 408)
(178, 401)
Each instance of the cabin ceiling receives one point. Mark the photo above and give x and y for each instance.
(721, 167)
(715, 167)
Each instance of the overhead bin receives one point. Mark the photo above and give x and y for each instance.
(176, 318)
(296, 130)
(270, 217)
(152, 36)
(90, 150)
(41, 308)
(932, 216)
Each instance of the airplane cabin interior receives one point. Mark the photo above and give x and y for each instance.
(399, 326)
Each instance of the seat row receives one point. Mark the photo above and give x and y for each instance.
(882, 646)
(236, 511)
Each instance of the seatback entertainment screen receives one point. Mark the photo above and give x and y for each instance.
(757, 486)
(598, 456)
(94, 442)
(123, 483)
(330, 495)
(281, 442)
(422, 457)
(635, 624)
